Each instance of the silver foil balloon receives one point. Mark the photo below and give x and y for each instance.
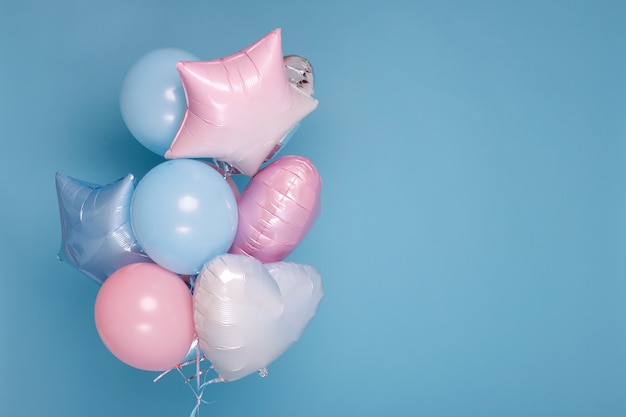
(300, 73)
(247, 313)
(95, 226)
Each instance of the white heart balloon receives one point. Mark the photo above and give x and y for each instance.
(247, 313)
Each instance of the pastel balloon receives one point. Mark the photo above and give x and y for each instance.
(144, 316)
(277, 209)
(152, 99)
(183, 213)
(239, 108)
(227, 177)
(247, 314)
(96, 235)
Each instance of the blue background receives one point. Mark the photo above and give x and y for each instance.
(473, 230)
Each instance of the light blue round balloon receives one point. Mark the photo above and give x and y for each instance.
(183, 214)
(152, 99)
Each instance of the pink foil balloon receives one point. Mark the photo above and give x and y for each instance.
(239, 108)
(144, 316)
(277, 209)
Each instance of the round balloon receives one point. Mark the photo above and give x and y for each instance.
(152, 99)
(183, 213)
(144, 316)
(228, 178)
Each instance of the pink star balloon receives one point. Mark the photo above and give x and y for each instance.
(239, 108)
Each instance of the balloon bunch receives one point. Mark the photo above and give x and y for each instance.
(188, 266)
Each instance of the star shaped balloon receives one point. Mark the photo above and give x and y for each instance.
(95, 224)
(241, 107)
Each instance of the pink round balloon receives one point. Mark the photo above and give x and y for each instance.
(144, 316)
(277, 209)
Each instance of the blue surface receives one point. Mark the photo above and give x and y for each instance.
(473, 231)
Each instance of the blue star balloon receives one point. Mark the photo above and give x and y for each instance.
(97, 237)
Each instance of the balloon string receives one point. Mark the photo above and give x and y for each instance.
(227, 169)
(196, 410)
(199, 398)
(192, 282)
(198, 390)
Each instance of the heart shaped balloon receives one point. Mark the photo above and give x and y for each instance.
(277, 209)
(247, 314)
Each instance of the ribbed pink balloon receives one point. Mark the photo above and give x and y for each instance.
(277, 209)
